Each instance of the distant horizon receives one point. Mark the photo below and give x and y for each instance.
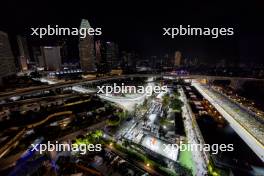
(142, 32)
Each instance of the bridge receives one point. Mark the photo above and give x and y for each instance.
(245, 125)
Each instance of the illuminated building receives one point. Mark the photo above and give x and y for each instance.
(107, 52)
(7, 64)
(177, 58)
(52, 57)
(116, 72)
(112, 54)
(23, 53)
(38, 57)
(129, 59)
(98, 51)
(86, 49)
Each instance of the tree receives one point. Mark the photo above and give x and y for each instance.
(165, 100)
(176, 104)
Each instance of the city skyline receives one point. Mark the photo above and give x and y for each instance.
(144, 34)
(131, 89)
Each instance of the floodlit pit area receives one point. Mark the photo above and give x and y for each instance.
(152, 118)
(159, 146)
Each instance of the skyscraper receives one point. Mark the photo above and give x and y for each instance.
(112, 54)
(7, 64)
(177, 58)
(86, 49)
(38, 56)
(98, 51)
(23, 53)
(52, 57)
(129, 60)
(64, 51)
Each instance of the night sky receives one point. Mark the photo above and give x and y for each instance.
(138, 27)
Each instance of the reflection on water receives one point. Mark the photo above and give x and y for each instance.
(214, 133)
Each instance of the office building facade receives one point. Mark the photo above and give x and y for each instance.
(86, 50)
(51, 57)
(7, 64)
(177, 58)
(23, 53)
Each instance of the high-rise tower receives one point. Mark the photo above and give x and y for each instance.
(177, 58)
(86, 49)
(23, 53)
(7, 64)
